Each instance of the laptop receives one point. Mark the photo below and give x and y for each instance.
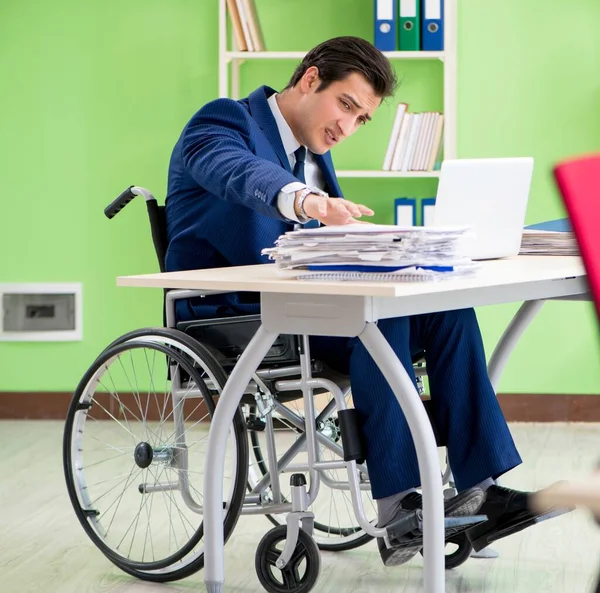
(490, 196)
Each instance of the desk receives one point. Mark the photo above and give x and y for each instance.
(351, 309)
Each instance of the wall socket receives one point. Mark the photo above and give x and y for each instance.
(40, 312)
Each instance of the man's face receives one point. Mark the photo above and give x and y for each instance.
(328, 117)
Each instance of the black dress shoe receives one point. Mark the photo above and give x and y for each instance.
(466, 503)
(508, 512)
(395, 552)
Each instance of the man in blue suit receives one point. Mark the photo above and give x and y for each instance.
(243, 173)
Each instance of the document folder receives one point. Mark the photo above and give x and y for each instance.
(405, 213)
(385, 25)
(427, 210)
(432, 25)
(409, 30)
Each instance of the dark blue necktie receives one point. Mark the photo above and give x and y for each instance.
(298, 172)
(300, 155)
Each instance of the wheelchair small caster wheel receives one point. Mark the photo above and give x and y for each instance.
(301, 572)
(460, 554)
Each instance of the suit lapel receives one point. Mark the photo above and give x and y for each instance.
(261, 112)
(326, 165)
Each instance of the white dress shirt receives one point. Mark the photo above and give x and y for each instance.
(312, 172)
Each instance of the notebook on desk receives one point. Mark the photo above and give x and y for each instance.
(551, 237)
(559, 225)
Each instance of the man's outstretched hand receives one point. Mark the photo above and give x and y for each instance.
(334, 211)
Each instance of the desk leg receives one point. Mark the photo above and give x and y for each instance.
(214, 574)
(509, 339)
(429, 467)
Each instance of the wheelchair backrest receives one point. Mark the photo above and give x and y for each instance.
(156, 215)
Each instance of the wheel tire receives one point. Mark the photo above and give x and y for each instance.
(164, 341)
(461, 554)
(291, 582)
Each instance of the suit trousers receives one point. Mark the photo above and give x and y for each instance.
(465, 408)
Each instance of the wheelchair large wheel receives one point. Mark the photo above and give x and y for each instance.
(133, 452)
(335, 528)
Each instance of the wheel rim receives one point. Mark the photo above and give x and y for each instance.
(300, 573)
(132, 452)
(295, 573)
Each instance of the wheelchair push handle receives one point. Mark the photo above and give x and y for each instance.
(124, 198)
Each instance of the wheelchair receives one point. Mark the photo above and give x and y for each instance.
(137, 430)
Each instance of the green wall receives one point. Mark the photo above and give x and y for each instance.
(94, 95)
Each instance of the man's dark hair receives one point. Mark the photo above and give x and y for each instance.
(337, 58)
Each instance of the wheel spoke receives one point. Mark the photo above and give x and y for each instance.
(115, 419)
(149, 529)
(102, 461)
(169, 505)
(95, 501)
(273, 556)
(108, 480)
(174, 434)
(169, 494)
(120, 498)
(299, 554)
(122, 406)
(113, 394)
(136, 395)
(152, 388)
(289, 577)
(136, 519)
(174, 407)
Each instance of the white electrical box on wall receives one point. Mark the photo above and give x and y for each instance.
(49, 312)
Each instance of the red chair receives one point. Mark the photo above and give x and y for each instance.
(579, 183)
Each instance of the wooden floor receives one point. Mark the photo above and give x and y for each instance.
(44, 549)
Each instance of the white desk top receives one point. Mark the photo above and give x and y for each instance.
(264, 278)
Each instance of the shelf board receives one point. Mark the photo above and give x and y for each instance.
(298, 55)
(387, 174)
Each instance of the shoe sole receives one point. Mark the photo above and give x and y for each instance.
(465, 504)
(397, 556)
(481, 536)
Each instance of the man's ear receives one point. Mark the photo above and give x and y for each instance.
(310, 80)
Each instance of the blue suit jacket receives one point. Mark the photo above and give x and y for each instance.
(226, 171)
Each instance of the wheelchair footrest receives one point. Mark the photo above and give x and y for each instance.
(407, 523)
(450, 522)
(407, 531)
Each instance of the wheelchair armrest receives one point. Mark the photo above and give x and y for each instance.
(231, 335)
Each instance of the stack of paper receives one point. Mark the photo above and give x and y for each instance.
(374, 252)
(549, 238)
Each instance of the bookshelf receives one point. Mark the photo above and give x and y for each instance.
(298, 55)
(230, 69)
